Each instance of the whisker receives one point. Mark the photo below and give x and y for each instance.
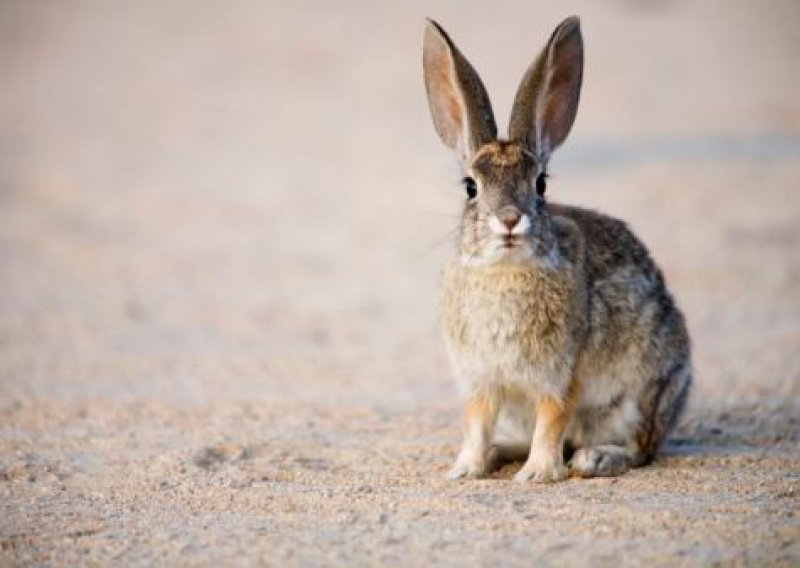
(438, 242)
(443, 214)
(435, 213)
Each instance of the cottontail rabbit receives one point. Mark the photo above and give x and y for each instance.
(559, 326)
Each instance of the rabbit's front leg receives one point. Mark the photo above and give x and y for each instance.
(545, 462)
(481, 417)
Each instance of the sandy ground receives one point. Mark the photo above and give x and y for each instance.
(221, 226)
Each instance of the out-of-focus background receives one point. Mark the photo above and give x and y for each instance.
(221, 225)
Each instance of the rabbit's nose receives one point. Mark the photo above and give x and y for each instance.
(509, 217)
(509, 221)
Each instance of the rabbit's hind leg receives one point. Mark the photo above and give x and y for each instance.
(657, 410)
(662, 403)
(603, 461)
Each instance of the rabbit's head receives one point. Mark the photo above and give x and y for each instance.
(505, 216)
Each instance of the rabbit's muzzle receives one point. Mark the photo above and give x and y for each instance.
(509, 222)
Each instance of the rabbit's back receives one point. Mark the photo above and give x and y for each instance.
(636, 336)
(628, 302)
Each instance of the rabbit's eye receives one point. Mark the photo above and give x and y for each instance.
(470, 186)
(541, 184)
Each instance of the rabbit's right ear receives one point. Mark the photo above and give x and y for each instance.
(460, 107)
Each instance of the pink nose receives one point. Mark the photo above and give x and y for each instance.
(509, 218)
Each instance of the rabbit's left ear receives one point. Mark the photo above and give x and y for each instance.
(460, 107)
(547, 99)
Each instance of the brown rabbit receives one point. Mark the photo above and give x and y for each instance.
(559, 326)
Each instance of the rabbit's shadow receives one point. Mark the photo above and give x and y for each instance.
(736, 431)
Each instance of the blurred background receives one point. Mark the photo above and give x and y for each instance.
(205, 201)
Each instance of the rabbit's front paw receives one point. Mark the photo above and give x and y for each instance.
(542, 469)
(468, 467)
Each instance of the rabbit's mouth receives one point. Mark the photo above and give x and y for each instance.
(500, 249)
(509, 247)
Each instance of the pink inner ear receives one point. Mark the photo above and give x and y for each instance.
(557, 108)
(444, 96)
(564, 89)
(448, 100)
(454, 112)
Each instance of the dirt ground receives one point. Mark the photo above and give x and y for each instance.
(221, 226)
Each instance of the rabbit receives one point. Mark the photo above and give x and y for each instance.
(568, 348)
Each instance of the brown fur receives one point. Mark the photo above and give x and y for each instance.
(553, 416)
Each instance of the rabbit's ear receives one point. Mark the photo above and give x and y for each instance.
(547, 99)
(460, 107)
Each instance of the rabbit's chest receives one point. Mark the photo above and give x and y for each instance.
(508, 327)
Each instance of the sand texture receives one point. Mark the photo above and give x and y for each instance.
(221, 230)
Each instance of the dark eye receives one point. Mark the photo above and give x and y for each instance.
(541, 184)
(470, 186)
